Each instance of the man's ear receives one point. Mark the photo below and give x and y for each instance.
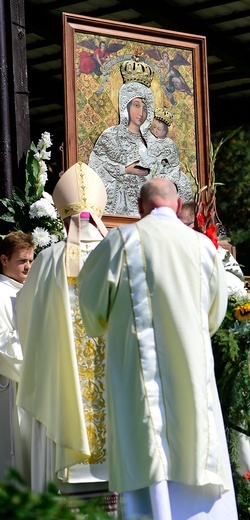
(140, 206)
(179, 206)
(3, 259)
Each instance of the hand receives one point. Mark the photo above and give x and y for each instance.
(134, 169)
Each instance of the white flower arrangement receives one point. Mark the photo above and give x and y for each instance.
(34, 211)
(41, 237)
(43, 208)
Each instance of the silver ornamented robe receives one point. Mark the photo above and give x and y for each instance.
(117, 147)
(167, 164)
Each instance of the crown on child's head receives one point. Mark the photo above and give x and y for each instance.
(137, 70)
(163, 115)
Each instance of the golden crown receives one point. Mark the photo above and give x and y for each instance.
(136, 70)
(163, 115)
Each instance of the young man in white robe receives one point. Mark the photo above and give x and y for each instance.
(16, 257)
(157, 289)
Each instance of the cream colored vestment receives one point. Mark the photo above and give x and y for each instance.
(165, 428)
(11, 449)
(55, 375)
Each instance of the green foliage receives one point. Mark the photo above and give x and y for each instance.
(217, 144)
(233, 196)
(17, 210)
(241, 484)
(33, 210)
(231, 349)
(17, 503)
(18, 206)
(33, 188)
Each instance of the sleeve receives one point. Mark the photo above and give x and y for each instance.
(107, 157)
(49, 386)
(219, 296)
(25, 301)
(10, 348)
(98, 280)
(234, 274)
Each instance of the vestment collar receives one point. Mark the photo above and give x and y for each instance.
(163, 211)
(9, 281)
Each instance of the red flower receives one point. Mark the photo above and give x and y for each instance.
(200, 220)
(211, 233)
(247, 475)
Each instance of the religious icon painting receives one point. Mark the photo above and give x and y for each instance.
(119, 77)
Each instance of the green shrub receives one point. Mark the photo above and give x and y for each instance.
(18, 502)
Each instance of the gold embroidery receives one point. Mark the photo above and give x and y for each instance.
(71, 280)
(73, 252)
(90, 354)
(102, 322)
(70, 209)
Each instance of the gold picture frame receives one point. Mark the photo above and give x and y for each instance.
(91, 89)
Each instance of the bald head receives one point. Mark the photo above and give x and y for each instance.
(156, 193)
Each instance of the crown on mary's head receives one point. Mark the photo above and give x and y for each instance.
(163, 115)
(136, 70)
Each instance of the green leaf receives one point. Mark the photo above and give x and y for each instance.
(18, 193)
(32, 173)
(7, 203)
(7, 217)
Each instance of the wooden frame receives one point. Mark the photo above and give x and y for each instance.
(83, 117)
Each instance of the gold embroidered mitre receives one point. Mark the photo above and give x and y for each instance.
(80, 189)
